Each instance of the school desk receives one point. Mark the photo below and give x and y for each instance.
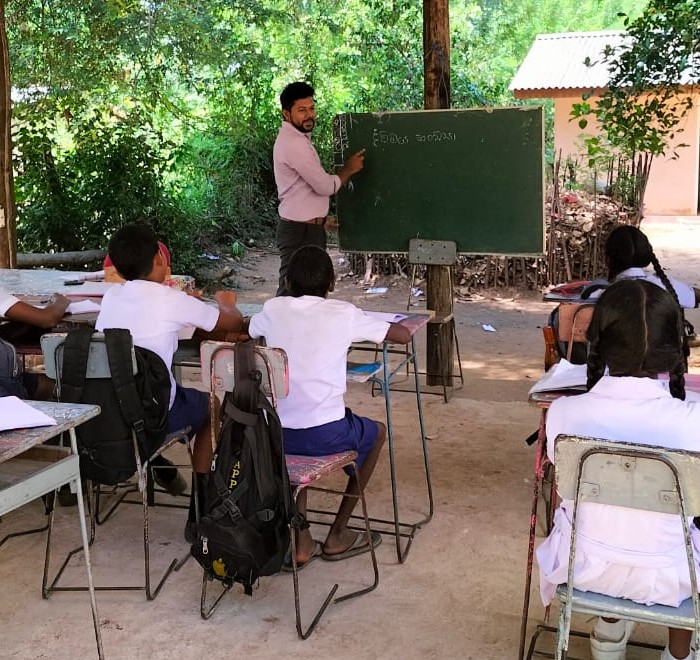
(383, 379)
(29, 470)
(543, 470)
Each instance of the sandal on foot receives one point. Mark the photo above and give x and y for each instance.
(316, 552)
(357, 547)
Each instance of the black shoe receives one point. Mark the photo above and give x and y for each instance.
(165, 474)
(66, 497)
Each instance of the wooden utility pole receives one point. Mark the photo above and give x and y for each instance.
(8, 237)
(436, 91)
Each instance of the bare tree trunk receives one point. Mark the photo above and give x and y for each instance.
(8, 237)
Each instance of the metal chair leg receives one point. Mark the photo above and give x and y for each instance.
(305, 634)
(207, 610)
(93, 510)
(540, 448)
(48, 507)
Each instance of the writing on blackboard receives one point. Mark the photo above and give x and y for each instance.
(381, 137)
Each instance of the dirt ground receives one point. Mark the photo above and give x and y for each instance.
(459, 594)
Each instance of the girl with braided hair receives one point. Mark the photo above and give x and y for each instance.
(628, 252)
(635, 334)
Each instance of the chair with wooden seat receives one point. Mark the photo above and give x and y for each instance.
(635, 476)
(98, 368)
(304, 471)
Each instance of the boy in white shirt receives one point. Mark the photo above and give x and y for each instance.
(154, 314)
(316, 334)
(21, 316)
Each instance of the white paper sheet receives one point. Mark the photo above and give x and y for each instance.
(83, 307)
(387, 316)
(16, 414)
(562, 375)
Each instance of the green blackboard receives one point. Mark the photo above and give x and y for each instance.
(475, 177)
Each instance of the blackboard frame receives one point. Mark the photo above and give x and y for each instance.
(438, 174)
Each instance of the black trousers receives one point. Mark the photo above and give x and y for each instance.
(290, 236)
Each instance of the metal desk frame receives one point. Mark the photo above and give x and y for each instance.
(47, 477)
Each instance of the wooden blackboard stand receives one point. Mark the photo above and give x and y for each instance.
(439, 258)
(439, 344)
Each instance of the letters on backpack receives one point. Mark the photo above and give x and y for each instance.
(244, 532)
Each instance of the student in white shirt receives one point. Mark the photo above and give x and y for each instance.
(23, 318)
(628, 253)
(154, 314)
(316, 334)
(636, 332)
(14, 309)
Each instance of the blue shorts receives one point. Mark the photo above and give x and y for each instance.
(352, 433)
(190, 408)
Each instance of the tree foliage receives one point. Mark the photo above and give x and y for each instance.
(645, 102)
(167, 110)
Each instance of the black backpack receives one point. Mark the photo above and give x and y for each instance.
(244, 532)
(10, 372)
(139, 403)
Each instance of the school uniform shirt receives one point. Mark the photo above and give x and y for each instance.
(622, 552)
(154, 314)
(685, 292)
(6, 301)
(303, 186)
(316, 334)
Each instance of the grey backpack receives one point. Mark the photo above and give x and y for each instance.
(10, 372)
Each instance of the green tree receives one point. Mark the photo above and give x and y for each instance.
(644, 103)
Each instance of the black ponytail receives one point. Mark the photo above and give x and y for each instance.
(636, 330)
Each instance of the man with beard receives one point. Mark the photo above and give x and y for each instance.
(303, 186)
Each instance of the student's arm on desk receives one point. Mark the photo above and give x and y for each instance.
(397, 333)
(229, 325)
(46, 317)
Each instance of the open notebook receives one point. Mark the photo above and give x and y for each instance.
(562, 376)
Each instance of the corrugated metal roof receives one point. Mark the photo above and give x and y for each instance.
(556, 61)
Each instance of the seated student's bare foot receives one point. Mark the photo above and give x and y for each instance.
(308, 549)
(337, 543)
(305, 546)
(354, 543)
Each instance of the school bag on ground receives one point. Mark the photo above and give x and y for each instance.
(244, 531)
(10, 372)
(129, 402)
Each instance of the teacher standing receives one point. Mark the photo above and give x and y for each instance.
(303, 186)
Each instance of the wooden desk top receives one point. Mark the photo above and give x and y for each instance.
(67, 416)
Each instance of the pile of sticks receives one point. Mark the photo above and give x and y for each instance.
(577, 224)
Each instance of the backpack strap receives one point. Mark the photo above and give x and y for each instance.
(119, 347)
(228, 506)
(247, 380)
(76, 349)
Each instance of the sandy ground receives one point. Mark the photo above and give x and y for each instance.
(459, 595)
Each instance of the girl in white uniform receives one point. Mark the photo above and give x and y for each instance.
(636, 332)
(628, 252)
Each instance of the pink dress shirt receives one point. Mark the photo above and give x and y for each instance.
(303, 186)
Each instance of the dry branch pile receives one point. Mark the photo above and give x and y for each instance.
(577, 225)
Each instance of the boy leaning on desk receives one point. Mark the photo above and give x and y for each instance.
(21, 315)
(316, 334)
(154, 314)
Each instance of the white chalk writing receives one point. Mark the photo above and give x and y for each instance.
(381, 137)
